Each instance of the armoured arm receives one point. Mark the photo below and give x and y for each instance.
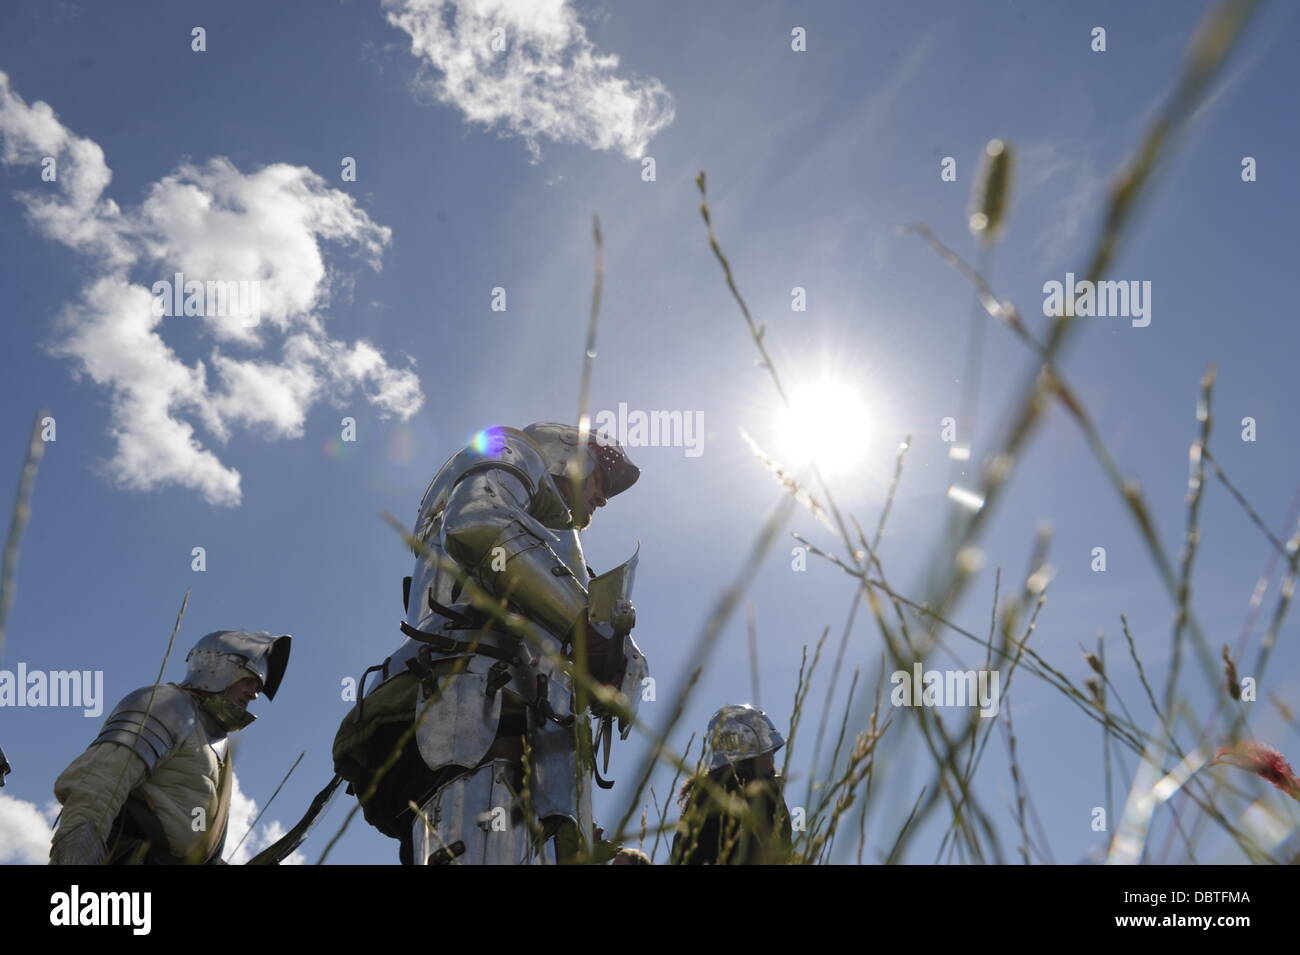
(487, 527)
(144, 729)
(93, 790)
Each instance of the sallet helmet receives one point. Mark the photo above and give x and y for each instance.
(740, 731)
(224, 656)
(559, 446)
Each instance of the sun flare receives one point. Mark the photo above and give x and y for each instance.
(828, 422)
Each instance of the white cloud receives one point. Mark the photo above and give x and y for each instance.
(1068, 193)
(212, 223)
(25, 832)
(75, 213)
(242, 813)
(550, 80)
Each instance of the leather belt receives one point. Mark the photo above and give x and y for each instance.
(451, 645)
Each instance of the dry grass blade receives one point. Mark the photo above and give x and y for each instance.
(1150, 789)
(755, 331)
(892, 858)
(582, 740)
(589, 351)
(1241, 499)
(802, 687)
(751, 629)
(1285, 594)
(791, 484)
(836, 668)
(1142, 675)
(1039, 667)
(267, 804)
(1131, 493)
(893, 489)
(1010, 730)
(704, 645)
(1195, 486)
(1208, 51)
(843, 791)
(1002, 310)
(668, 800)
(153, 691)
(21, 514)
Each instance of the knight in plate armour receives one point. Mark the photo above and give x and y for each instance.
(466, 748)
(154, 785)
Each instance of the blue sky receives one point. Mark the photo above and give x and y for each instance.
(813, 159)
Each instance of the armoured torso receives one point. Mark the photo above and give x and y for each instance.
(436, 581)
(189, 779)
(159, 737)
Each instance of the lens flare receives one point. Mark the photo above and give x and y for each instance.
(336, 448)
(400, 445)
(489, 441)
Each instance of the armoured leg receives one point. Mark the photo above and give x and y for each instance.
(561, 795)
(474, 820)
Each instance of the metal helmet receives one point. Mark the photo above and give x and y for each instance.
(740, 731)
(224, 656)
(559, 445)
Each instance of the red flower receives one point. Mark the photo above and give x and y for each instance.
(1265, 762)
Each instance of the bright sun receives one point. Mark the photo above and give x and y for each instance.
(827, 421)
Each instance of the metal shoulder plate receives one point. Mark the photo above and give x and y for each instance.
(151, 728)
(511, 451)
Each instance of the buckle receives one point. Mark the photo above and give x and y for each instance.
(498, 676)
(422, 666)
(447, 854)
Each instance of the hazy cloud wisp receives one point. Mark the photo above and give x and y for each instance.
(549, 80)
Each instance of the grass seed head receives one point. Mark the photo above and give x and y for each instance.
(1265, 762)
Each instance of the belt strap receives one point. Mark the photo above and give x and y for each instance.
(136, 824)
(451, 645)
